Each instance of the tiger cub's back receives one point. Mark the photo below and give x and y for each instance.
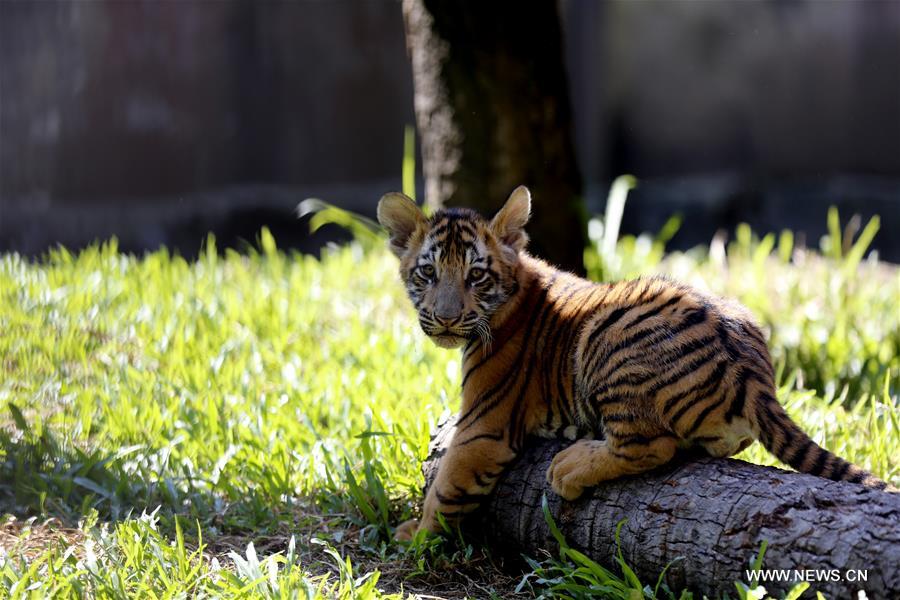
(660, 357)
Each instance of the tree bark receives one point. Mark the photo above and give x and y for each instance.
(712, 513)
(492, 107)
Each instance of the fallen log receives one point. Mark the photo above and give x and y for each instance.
(711, 514)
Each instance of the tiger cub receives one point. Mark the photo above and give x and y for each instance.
(649, 365)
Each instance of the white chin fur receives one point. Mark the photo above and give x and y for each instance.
(448, 341)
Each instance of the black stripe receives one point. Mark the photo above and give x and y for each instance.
(714, 377)
(788, 435)
(680, 351)
(535, 311)
(584, 407)
(614, 316)
(620, 347)
(596, 349)
(775, 429)
(634, 379)
(439, 230)
(702, 417)
(517, 419)
(819, 465)
(517, 425)
(568, 341)
(497, 437)
(673, 421)
(589, 299)
(654, 311)
(548, 348)
(798, 457)
(736, 408)
(725, 339)
(550, 414)
(687, 348)
(689, 368)
(765, 438)
(738, 347)
(841, 471)
(857, 477)
(753, 332)
(619, 418)
(466, 228)
(555, 356)
(544, 308)
(619, 396)
(696, 317)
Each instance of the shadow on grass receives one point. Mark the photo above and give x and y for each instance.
(45, 478)
(62, 485)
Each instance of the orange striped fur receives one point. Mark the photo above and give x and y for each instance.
(645, 366)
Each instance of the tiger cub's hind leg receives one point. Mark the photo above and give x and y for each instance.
(721, 447)
(586, 463)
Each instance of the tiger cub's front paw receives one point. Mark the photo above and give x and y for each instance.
(406, 530)
(570, 472)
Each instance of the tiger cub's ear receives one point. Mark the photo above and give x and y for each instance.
(509, 224)
(400, 216)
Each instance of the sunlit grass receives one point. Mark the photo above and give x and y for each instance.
(182, 411)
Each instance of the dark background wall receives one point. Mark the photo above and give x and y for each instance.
(757, 111)
(157, 122)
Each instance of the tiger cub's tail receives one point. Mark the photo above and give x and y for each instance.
(784, 438)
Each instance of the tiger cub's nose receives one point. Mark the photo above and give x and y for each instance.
(447, 319)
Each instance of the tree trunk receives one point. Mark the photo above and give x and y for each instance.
(713, 513)
(492, 107)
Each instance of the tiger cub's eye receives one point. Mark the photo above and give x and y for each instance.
(476, 274)
(427, 270)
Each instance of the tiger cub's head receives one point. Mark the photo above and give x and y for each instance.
(458, 267)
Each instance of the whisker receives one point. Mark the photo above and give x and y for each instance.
(483, 329)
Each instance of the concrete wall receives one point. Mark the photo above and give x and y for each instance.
(157, 121)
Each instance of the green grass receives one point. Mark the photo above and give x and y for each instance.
(252, 425)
